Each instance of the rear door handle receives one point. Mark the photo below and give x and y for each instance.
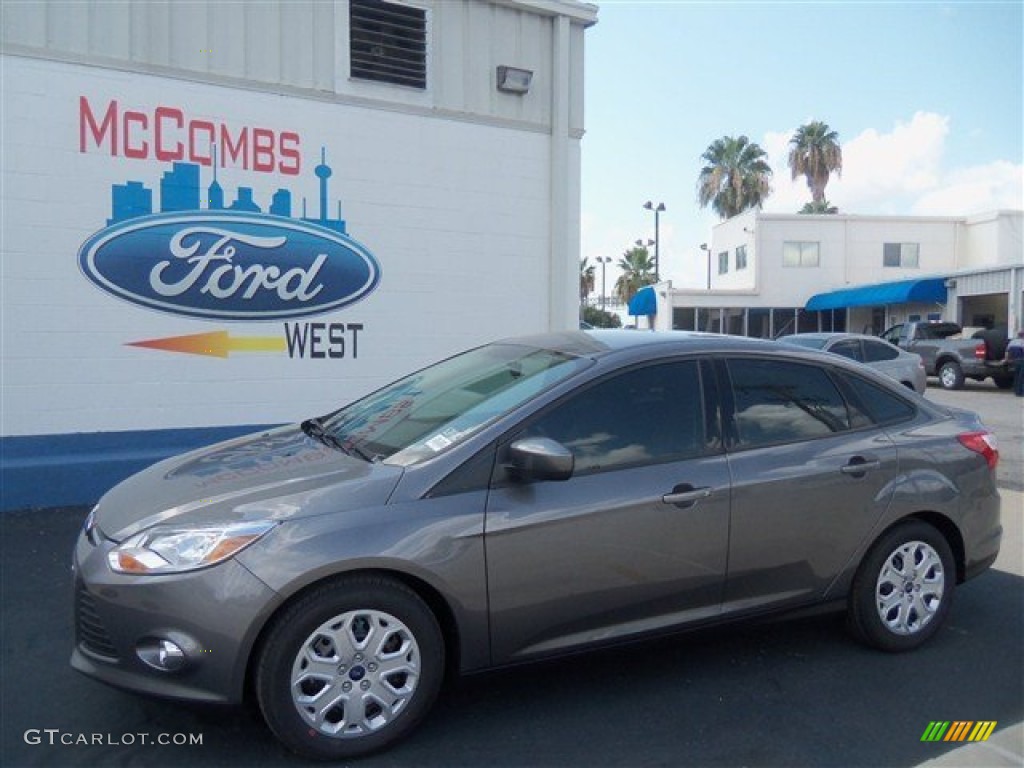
(686, 495)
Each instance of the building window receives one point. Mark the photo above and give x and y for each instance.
(900, 255)
(388, 42)
(723, 262)
(741, 257)
(800, 254)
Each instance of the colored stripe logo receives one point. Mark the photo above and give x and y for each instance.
(959, 730)
(214, 344)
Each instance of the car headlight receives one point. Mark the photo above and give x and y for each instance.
(174, 549)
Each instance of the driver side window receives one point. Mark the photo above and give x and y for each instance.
(643, 416)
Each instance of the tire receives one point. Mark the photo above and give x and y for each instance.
(903, 589)
(1003, 382)
(349, 668)
(951, 375)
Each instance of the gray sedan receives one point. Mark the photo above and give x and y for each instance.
(524, 499)
(906, 367)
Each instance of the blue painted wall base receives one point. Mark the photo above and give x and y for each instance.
(39, 471)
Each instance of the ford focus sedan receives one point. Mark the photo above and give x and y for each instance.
(526, 498)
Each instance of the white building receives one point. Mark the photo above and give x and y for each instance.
(771, 274)
(222, 215)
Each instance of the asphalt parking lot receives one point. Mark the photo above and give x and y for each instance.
(799, 693)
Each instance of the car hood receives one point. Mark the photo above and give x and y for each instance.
(278, 474)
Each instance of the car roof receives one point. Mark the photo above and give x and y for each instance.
(599, 343)
(828, 335)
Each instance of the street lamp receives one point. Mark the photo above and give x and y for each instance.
(603, 260)
(706, 247)
(657, 238)
(641, 244)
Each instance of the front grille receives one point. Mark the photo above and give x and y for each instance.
(92, 635)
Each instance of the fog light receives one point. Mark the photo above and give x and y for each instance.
(162, 655)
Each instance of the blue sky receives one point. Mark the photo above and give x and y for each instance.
(926, 98)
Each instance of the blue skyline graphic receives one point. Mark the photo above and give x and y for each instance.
(180, 191)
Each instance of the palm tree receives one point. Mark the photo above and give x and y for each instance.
(736, 176)
(823, 207)
(815, 153)
(637, 271)
(586, 279)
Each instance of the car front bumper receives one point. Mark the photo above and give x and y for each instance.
(211, 615)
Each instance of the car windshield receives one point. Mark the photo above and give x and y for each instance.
(418, 416)
(811, 342)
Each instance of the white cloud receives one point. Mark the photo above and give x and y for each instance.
(901, 172)
(998, 185)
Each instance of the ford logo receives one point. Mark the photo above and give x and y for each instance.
(229, 265)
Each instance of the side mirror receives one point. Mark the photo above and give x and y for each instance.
(540, 458)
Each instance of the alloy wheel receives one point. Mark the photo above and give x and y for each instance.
(355, 673)
(910, 588)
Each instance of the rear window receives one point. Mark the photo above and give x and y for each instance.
(873, 404)
(938, 330)
(879, 351)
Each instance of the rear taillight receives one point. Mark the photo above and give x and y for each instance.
(980, 352)
(981, 442)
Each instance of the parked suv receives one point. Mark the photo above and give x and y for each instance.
(524, 499)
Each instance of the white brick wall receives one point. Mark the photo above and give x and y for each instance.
(457, 214)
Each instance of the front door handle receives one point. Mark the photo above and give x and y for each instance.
(858, 466)
(685, 495)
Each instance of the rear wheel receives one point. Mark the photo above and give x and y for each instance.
(1003, 382)
(349, 668)
(951, 375)
(903, 588)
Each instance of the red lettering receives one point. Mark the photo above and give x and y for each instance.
(194, 144)
(86, 119)
(234, 151)
(139, 152)
(262, 149)
(290, 151)
(171, 136)
(162, 114)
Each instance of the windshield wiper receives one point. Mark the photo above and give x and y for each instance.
(315, 429)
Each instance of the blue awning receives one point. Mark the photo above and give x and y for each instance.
(930, 290)
(644, 302)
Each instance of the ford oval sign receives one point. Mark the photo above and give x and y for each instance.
(229, 265)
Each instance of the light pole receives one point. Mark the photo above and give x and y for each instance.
(706, 247)
(657, 237)
(603, 261)
(645, 245)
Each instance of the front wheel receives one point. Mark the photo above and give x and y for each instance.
(903, 588)
(951, 375)
(349, 668)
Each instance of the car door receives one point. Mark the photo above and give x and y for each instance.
(810, 480)
(636, 539)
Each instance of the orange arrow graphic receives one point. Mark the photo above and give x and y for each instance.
(213, 344)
